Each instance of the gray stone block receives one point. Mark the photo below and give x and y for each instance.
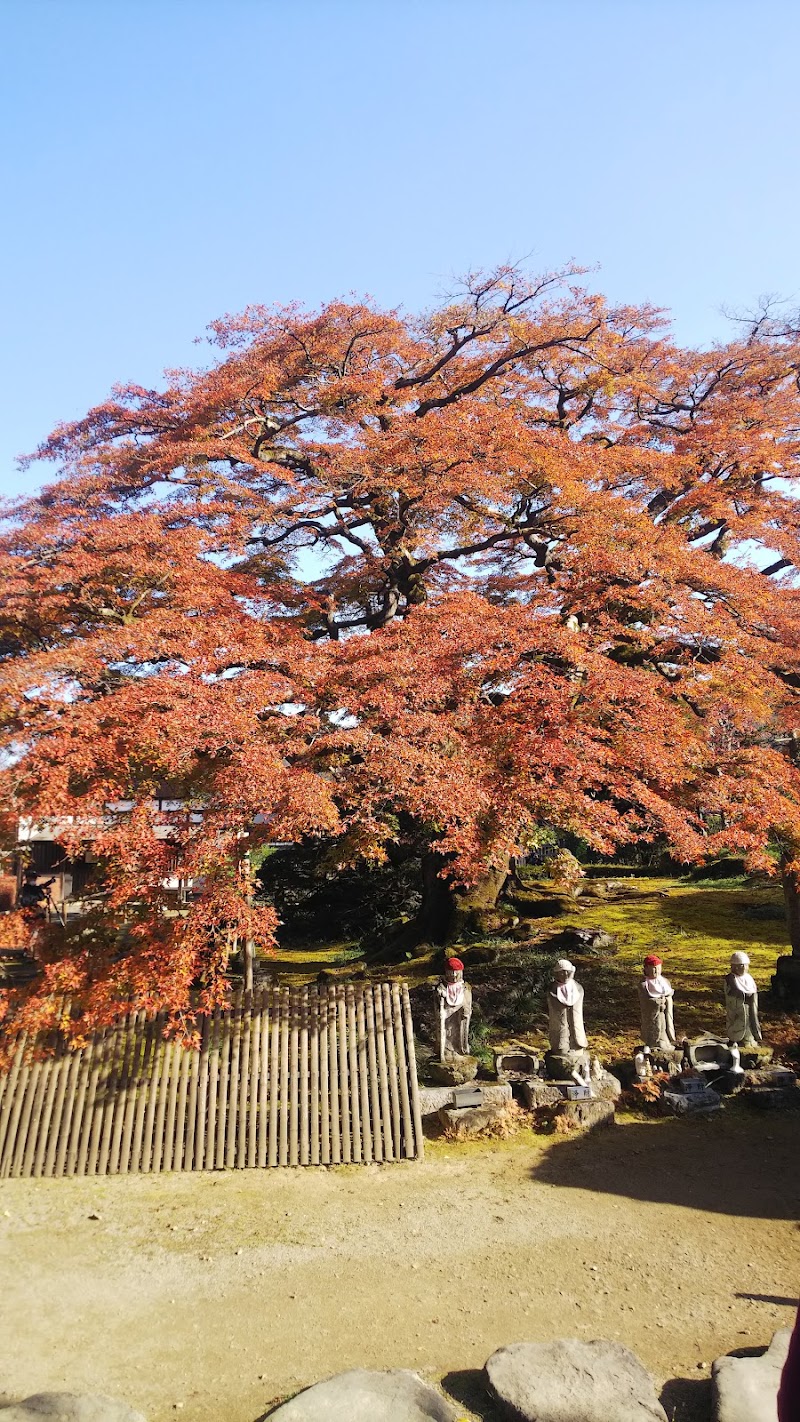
(746, 1389)
(70, 1407)
(587, 1115)
(433, 1098)
(364, 1396)
(675, 1103)
(572, 1381)
(537, 1093)
(466, 1121)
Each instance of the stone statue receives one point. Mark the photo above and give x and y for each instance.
(455, 1011)
(655, 1007)
(741, 1004)
(565, 1010)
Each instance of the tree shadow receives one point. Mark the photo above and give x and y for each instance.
(687, 1399)
(716, 1164)
(468, 1388)
(770, 1299)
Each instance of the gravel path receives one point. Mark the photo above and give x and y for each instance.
(210, 1296)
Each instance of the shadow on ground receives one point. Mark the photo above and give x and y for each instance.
(687, 1399)
(468, 1389)
(742, 1163)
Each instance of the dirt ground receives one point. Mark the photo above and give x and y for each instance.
(212, 1296)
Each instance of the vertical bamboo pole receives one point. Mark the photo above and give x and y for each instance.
(283, 1138)
(67, 1123)
(76, 1112)
(324, 1077)
(17, 1105)
(244, 1082)
(313, 1125)
(233, 1082)
(274, 1076)
(213, 1089)
(264, 1080)
(409, 1148)
(201, 1107)
(24, 1146)
(53, 1078)
(419, 1140)
(303, 1081)
(363, 1076)
(134, 1086)
(144, 1089)
(352, 1059)
(222, 1097)
(383, 1075)
(192, 1134)
(32, 1147)
(333, 1079)
(154, 1092)
(374, 1085)
(186, 1054)
(255, 1080)
(161, 1108)
(391, 1060)
(9, 1094)
(125, 1099)
(91, 1113)
(294, 1072)
(104, 1062)
(111, 1094)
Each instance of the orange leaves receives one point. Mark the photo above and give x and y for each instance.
(369, 577)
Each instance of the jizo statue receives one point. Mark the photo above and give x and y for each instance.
(655, 1007)
(565, 1010)
(455, 1011)
(741, 1003)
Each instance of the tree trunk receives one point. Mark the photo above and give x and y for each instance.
(446, 911)
(791, 898)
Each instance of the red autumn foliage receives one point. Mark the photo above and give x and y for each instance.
(372, 576)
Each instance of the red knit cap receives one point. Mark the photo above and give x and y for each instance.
(651, 961)
(455, 965)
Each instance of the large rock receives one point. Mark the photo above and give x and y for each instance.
(571, 1381)
(456, 1071)
(362, 1396)
(70, 1407)
(746, 1389)
(536, 1093)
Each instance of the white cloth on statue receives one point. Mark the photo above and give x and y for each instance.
(657, 987)
(454, 994)
(567, 992)
(744, 983)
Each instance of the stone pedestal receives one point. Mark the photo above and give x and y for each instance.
(560, 1065)
(537, 1092)
(786, 980)
(463, 1122)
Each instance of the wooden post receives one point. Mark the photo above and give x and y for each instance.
(294, 1070)
(255, 1082)
(313, 1124)
(283, 1141)
(352, 1062)
(402, 1067)
(304, 1141)
(264, 1083)
(392, 1067)
(244, 1081)
(214, 1048)
(274, 1075)
(156, 1068)
(363, 1076)
(333, 1079)
(416, 1112)
(233, 1089)
(324, 1078)
(383, 1076)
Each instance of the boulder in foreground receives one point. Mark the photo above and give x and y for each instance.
(365, 1396)
(571, 1381)
(746, 1389)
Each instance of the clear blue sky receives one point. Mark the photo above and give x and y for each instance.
(166, 161)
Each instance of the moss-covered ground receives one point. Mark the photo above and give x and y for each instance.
(693, 927)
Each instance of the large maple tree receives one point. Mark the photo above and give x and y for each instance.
(448, 578)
